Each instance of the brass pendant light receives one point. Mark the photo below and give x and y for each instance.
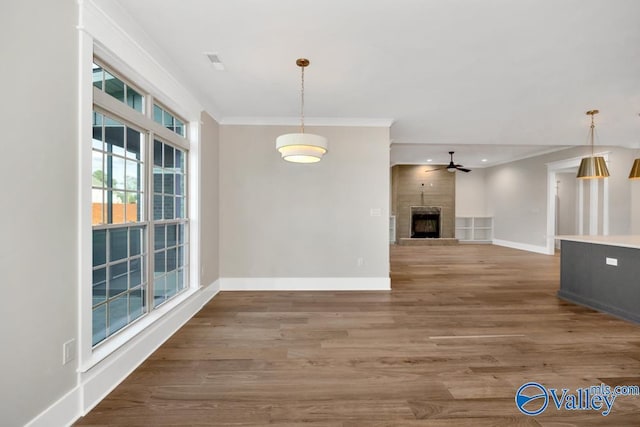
(593, 167)
(635, 170)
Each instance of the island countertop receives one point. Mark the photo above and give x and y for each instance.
(628, 241)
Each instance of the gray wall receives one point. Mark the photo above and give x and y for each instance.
(517, 195)
(39, 251)
(209, 200)
(471, 198)
(635, 200)
(280, 219)
(566, 211)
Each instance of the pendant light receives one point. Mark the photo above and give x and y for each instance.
(301, 147)
(635, 170)
(595, 166)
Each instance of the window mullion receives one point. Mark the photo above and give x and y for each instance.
(150, 220)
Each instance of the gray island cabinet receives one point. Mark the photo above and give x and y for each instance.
(603, 273)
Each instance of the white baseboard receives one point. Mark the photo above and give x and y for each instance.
(305, 284)
(521, 246)
(100, 380)
(62, 413)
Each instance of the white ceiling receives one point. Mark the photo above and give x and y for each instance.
(449, 73)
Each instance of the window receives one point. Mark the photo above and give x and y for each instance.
(139, 211)
(168, 120)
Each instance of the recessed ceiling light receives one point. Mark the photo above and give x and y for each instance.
(429, 160)
(215, 60)
(484, 160)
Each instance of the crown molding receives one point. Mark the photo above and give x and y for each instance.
(308, 121)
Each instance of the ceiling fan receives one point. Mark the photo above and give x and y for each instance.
(452, 167)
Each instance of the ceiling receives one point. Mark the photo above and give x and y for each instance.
(449, 74)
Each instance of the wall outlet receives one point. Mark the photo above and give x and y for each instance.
(360, 262)
(375, 212)
(612, 261)
(68, 351)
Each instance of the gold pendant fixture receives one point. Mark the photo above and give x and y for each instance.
(593, 167)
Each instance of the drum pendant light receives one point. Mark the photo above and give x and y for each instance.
(593, 167)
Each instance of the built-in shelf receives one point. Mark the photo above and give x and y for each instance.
(477, 229)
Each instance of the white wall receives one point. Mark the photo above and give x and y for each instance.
(567, 200)
(283, 220)
(39, 250)
(471, 197)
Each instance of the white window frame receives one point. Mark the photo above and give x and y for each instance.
(88, 96)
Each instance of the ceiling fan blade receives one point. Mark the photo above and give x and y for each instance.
(436, 169)
(463, 169)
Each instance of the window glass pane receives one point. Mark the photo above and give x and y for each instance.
(171, 284)
(135, 241)
(159, 292)
(168, 207)
(180, 207)
(114, 136)
(99, 285)
(171, 234)
(180, 256)
(97, 131)
(181, 230)
(136, 304)
(97, 169)
(157, 114)
(117, 279)
(133, 176)
(181, 278)
(98, 209)
(180, 160)
(157, 180)
(168, 156)
(99, 323)
(179, 127)
(159, 264)
(133, 143)
(114, 86)
(168, 183)
(159, 242)
(171, 259)
(118, 313)
(135, 272)
(99, 247)
(116, 164)
(134, 99)
(168, 120)
(157, 207)
(117, 244)
(157, 153)
(98, 74)
(179, 183)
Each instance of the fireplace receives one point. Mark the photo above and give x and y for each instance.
(425, 222)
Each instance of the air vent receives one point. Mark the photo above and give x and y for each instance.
(215, 60)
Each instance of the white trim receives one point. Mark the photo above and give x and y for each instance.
(63, 412)
(103, 378)
(593, 206)
(308, 121)
(305, 284)
(522, 246)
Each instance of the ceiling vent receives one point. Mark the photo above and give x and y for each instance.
(215, 60)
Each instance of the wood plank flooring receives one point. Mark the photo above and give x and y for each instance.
(461, 330)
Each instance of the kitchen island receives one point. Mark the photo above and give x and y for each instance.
(603, 273)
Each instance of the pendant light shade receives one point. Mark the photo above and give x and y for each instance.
(302, 147)
(635, 170)
(593, 167)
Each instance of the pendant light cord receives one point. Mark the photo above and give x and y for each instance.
(302, 102)
(593, 129)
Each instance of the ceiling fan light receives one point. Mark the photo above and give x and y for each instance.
(451, 169)
(593, 168)
(635, 170)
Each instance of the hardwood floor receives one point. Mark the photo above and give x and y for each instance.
(463, 328)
